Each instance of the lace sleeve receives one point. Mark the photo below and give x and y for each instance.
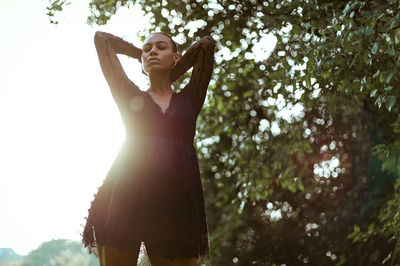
(201, 56)
(108, 46)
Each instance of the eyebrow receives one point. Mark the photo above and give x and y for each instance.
(156, 42)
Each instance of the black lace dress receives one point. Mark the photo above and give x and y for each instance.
(153, 191)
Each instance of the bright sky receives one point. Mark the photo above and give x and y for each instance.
(60, 128)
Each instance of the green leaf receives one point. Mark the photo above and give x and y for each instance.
(248, 94)
(371, 227)
(390, 102)
(387, 258)
(354, 235)
(379, 101)
(372, 94)
(381, 77)
(241, 207)
(391, 52)
(389, 164)
(301, 186)
(375, 48)
(376, 74)
(389, 77)
(382, 29)
(325, 74)
(349, 36)
(356, 228)
(292, 188)
(388, 88)
(380, 16)
(368, 30)
(363, 80)
(346, 9)
(296, 29)
(394, 21)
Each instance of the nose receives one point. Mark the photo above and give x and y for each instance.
(153, 51)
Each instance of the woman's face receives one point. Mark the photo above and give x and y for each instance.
(158, 54)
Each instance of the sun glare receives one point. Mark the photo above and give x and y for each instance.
(61, 129)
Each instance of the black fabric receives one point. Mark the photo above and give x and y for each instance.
(153, 191)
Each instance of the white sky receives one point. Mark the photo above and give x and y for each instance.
(59, 126)
(60, 129)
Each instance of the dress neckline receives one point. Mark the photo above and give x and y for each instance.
(159, 107)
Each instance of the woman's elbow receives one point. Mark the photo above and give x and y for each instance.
(99, 37)
(209, 41)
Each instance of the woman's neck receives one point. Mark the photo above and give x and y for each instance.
(160, 83)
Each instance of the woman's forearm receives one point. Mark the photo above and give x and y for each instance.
(120, 46)
(108, 46)
(190, 57)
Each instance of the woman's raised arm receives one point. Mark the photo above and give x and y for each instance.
(201, 56)
(108, 46)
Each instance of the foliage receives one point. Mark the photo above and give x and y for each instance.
(7, 254)
(299, 153)
(62, 252)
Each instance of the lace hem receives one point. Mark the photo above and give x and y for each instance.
(186, 249)
(137, 203)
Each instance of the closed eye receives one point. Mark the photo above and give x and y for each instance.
(160, 45)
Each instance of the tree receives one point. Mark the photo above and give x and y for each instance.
(319, 186)
(62, 252)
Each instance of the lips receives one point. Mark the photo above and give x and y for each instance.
(152, 60)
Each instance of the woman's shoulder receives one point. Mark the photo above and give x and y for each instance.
(185, 91)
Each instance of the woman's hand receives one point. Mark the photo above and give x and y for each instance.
(120, 45)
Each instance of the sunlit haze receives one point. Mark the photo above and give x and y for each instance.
(60, 128)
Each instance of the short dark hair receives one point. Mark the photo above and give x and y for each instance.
(174, 45)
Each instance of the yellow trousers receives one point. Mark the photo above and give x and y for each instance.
(112, 256)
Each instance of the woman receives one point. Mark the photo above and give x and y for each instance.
(153, 191)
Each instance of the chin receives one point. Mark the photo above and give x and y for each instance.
(155, 70)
